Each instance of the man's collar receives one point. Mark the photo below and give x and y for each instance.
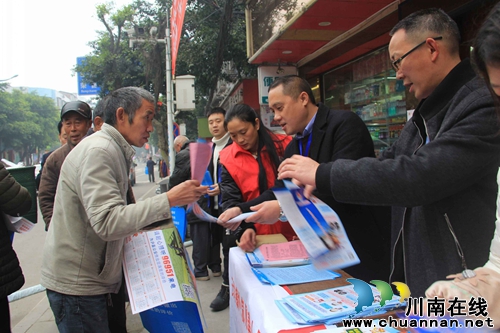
(308, 128)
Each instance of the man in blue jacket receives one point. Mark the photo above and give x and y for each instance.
(440, 175)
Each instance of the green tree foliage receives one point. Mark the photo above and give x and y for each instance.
(27, 122)
(213, 32)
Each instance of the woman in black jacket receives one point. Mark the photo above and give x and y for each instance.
(15, 200)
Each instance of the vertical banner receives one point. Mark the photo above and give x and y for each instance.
(176, 21)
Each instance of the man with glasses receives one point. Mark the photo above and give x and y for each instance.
(439, 176)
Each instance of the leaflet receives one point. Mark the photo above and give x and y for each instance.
(292, 275)
(330, 306)
(204, 216)
(279, 255)
(318, 227)
(156, 270)
(18, 224)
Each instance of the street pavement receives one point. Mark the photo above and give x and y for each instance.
(33, 314)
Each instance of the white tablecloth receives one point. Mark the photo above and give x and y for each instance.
(252, 308)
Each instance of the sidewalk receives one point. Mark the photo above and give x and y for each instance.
(41, 320)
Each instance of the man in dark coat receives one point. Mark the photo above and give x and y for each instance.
(440, 175)
(15, 200)
(327, 135)
(150, 164)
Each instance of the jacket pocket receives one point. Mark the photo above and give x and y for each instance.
(112, 261)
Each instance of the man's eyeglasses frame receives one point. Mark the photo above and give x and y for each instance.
(396, 63)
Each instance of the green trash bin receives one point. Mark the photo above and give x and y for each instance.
(26, 177)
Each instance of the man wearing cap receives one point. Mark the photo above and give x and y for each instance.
(76, 118)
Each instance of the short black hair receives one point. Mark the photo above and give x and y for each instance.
(293, 86)
(216, 109)
(59, 126)
(431, 21)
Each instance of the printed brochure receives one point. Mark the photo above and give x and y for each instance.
(318, 227)
(331, 306)
(279, 255)
(160, 283)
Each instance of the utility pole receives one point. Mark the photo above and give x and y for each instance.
(169, 97)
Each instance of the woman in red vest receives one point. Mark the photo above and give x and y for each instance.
(250, 167)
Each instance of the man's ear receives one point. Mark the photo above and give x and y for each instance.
(120, 115)
(304, 98)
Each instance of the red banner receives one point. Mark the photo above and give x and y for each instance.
(176, 21)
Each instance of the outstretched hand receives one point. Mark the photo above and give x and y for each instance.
(267, 212)
(186, 193)
(226, 216)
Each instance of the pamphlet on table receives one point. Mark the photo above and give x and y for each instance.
(292, 275)
(279, 255)
(318, 227)
(331, 306)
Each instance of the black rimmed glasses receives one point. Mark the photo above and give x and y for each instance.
(397, 63)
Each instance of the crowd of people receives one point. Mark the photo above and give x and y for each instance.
(422, 211)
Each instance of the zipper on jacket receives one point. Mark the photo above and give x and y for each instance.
(422, 141)
(400, 235)
(466, 273)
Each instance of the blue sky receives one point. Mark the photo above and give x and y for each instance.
(40, 40)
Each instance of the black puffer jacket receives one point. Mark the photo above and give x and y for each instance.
(14, 200)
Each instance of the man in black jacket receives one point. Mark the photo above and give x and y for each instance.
(326, 135)
(440, 175)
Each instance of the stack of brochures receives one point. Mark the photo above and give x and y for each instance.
(279, 255)
(331, 306)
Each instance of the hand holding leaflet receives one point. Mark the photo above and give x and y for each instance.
(204, 216)
(318, 227)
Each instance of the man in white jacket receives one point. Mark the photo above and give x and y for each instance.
(94, 212)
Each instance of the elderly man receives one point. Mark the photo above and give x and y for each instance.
(93, 213)
(440, 175)
(76, 119)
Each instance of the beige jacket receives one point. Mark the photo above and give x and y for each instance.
(84, 244)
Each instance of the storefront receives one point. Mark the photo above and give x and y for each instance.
(341, 49)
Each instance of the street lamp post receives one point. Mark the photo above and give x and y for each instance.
(169, 95)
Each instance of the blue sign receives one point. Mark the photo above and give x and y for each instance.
(177, 130)
(85, 88)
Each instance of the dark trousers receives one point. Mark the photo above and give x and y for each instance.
(117, 317)
(228, 241)
(206, 239)
(79, 314)
(151, 175)
(93, 314)
(4, 315)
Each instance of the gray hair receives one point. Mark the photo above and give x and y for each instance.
(129, 98)
(430, 22)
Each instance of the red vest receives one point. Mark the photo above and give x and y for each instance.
(244, 169)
